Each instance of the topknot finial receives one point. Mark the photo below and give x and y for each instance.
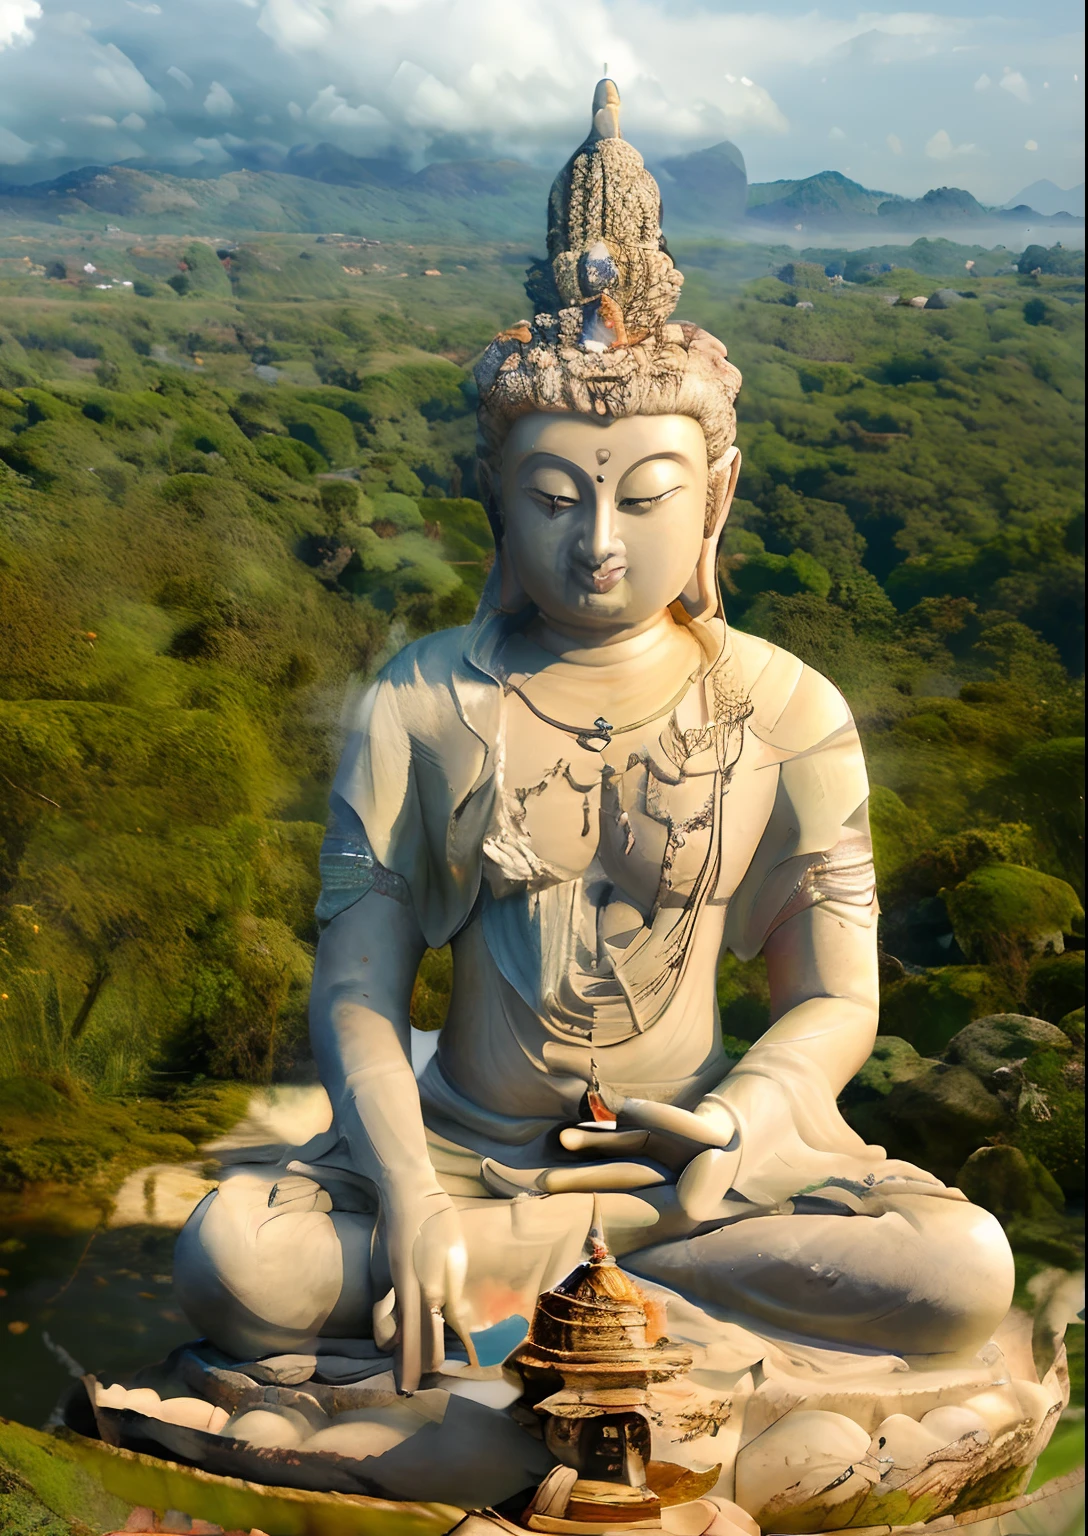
(607, 257)
(606, 111)
(596, 1243)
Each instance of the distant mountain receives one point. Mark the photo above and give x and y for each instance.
(495, 200)
(1049, 199)
(319, 188)
(335, 167)
(708, 188)
(941, 205)
(944, 206)
(825, 198)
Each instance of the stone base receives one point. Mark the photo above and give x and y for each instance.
(84, 1479)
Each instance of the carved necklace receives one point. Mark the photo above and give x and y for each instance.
(598, 736)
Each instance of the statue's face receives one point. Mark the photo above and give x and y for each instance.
(603, 518)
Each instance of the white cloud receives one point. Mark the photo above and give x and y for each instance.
(941, 147)
(513, 77)
(1031, 146)
(212, 151)
(837, 136)
(13, 149)
(519, 72)
(134, 123)
(219, 102)
(367, 128)
(1013, 82)
(15, 19)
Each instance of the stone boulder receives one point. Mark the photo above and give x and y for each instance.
(938, 1118)
(929, 1009)
(1002, 904)
(1025, 1198)
(1072, 1026)
(944, 298)
(993, 1048)
(1036, 1071)
(893, 1061)
(1009, 1183)
(1056, 985)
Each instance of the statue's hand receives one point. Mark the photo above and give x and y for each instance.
(422, 1254)
(662, 1132)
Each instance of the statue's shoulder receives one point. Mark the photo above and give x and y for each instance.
(794, 707)
(431, 691)
(429, 662)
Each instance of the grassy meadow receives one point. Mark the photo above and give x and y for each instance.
(235, 475)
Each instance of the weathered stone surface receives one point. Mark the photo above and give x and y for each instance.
(894, 1060)
(928, 1010)
(1002, 904)
(940, 1117)
(989, 1047)
(1056, 985)
(1007, 1182)
(1072, 1026)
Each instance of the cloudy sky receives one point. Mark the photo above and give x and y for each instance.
(981, 95)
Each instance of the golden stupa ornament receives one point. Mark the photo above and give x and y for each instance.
(587, 1363)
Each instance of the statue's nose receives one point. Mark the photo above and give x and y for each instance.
(600, 537)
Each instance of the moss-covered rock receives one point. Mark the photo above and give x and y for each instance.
(940, 1117)
(929, 1009)
(1050, 1114)
(1004, 1180)
(1037, 1073)
(897, 831)
(1056, 985)
(1072, 1026)
(1003, 904)
(952, 859)
(993, 1046)
(862, 1100)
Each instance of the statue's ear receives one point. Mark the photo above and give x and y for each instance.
(701, 596)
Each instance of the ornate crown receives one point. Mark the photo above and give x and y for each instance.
(606, 252)
(600, 342)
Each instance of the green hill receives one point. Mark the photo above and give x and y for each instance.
(488, 199)
(830, 196)
(941, 205)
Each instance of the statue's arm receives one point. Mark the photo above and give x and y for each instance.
(360, 1034)
(825, 996)
(360, 1031)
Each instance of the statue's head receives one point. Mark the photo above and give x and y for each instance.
(605, 446)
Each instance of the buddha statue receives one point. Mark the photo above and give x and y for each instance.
(592, 791)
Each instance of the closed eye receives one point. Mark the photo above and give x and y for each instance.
(643, 503)
(551, 504)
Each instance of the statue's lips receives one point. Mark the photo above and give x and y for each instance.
(608, 575)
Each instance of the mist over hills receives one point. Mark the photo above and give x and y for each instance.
(1050, 199)
(314, 188)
